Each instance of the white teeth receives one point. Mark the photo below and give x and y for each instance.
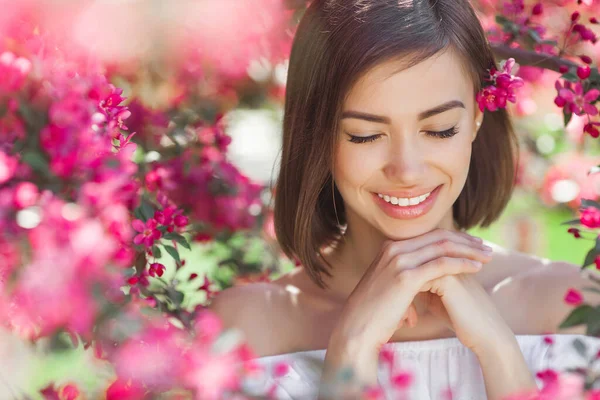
(403, 202)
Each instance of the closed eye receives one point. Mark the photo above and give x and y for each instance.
(448, 133)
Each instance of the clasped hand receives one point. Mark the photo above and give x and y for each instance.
(440, 264)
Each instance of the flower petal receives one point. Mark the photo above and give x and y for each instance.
(591, 95)
(138, 225)
(138, 239)
(567, 95)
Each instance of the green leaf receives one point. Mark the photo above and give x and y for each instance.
(36, 161)
(147, 209)
(550, 42)
(572, 222)
(577, 317)
(501, 19)
(586, 203)
(570, 76)
(593, 325)
(535, 36)
(173, 252)
(178, 238)
(567, 117)
(156, 251)
(138, 214)
(590, 257)
(177, 297)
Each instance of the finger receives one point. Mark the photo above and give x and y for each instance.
(446, 248)
(404, 246)
(438, 268)
(449, 248)
(409, 318)
(412, 315)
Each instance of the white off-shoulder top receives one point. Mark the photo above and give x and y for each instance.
(435, 366)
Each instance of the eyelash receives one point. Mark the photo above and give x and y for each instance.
(448, 133)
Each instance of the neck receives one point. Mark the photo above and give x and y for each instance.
(357, 249)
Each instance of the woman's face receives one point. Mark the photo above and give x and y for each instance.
(404, 158)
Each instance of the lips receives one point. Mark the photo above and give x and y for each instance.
(408, 212)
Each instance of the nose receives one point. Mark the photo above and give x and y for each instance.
(405, 163)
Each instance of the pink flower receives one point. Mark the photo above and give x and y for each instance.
(8, 167)
(13, 72)
(69, 392)
(513, 7)
(156, 269)
(502, 88)
(574, 232)
(573, 297)
(208, 326)
(575, 100)
(26, 195)
(181, 221)
(211, 374)
(590, 128)
(123, 390)
(148, 232)
(386, 357)
(590, 217)
(584, 72)
(402, 380)
(165, 217)
(280, 369)
(491, 98)
(373, 393)
(152, 357)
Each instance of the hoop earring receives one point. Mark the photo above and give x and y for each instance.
(335, 207)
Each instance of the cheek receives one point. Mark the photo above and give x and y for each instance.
(355, 165)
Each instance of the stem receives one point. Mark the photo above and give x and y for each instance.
(531, 58)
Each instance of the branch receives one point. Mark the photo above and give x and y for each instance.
(531, 58)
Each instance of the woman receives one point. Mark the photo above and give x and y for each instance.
(386, 160)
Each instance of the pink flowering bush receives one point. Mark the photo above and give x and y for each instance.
(113, 159)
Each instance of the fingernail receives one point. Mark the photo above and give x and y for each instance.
(487, 249)
(478, 264)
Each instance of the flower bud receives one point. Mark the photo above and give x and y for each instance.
(586, 59)
(584, 72)
(575, 16)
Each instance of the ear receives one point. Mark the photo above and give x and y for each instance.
(477, 122)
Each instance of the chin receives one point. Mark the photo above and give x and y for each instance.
(410, 231)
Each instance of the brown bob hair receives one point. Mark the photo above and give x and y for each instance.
(338, 41)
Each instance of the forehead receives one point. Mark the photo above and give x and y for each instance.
(392, 90)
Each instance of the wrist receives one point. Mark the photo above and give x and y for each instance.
(505, 371)
(351, 353)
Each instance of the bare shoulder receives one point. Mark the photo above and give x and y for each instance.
(540, 286)
(255, 309)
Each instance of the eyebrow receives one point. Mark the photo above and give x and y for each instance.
(423, 115)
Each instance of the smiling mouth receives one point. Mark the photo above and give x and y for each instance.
(407, 208)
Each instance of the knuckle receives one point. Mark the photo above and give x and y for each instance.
(387, 245)
(400, 261)
(444, 245)
(405, 275)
